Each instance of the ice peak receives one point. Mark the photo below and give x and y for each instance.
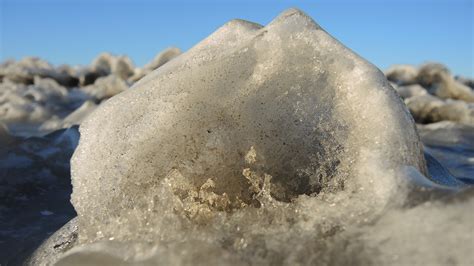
(242, 25)
(292, 12)
(293, 16)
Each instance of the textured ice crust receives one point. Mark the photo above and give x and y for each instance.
(260, 145)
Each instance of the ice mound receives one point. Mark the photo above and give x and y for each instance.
(54, 247)
(159, 60)
(25, 70)
(432, 94)
(103, 65)
(266, 143)
(410, 91)
(37, 97)
(120, 66)
(429, 73)
(446, 87)
(18, 103)
(437, 78)
(106, 87)
(24, 108)
(402, 74)
(429, 109)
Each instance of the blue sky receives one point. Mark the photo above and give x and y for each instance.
(385, 32)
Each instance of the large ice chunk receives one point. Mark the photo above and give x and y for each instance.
(265, 141)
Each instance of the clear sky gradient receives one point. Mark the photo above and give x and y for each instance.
(385, 32)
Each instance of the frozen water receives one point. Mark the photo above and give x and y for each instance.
(36, 97)
(54, 247)
(429, 109)
(451, 143)
(75, 118)
(106, 63)
(25, 70)
(5, 136)
(46, 213)
(410, 91)
(402, 74)
(106, 87)
(433, 95)
(289, 90)
(17, 104)
(433, 233)
(446, 87)
(260, 145)
(438, 80)
(466, 81)
(45, 90)
(430, 73)
(34, 191)
(32, 105)
(159, 60)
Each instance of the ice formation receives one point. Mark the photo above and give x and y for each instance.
(26, 69)
(18, 104)
(269, 145)
(430, 109)
(36, 97)
(452, 143)
(159, 60)
(34, 190)
(436, 77)
(107, 64)
(432, 94)
(74, 118)
(410, 91)
(106, 87)
(402, 74)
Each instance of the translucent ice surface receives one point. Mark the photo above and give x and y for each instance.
(272, 145)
